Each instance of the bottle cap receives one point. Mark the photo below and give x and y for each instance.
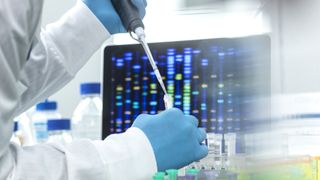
(90, 88)
(58, 124)
(172, 173)
(15, 126)
(47, 105)
(159, 176)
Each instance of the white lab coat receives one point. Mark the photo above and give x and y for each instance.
(34, 64)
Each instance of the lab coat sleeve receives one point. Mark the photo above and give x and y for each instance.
(68, 44)
(127, 156)
(56, 54)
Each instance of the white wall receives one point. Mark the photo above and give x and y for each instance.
(295, 45)
(301, 45)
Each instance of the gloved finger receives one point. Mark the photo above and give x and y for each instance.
(141, 5)
(193, 119)
(143, 116)
(173, 112)
(202, 135)
(202, 152)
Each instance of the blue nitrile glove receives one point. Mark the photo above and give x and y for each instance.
(174, 137)
(104, 11)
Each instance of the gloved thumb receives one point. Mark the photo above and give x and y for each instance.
(201, 135)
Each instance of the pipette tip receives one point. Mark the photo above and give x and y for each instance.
(168, 101)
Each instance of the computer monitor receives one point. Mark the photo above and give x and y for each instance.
(216, 80)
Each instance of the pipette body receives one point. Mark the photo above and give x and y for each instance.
(141, 37)
(132, 22)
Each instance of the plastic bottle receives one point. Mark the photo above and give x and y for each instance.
(26, 130)
(87, 117)
(59, 130)
(16, 136)
(44, 111)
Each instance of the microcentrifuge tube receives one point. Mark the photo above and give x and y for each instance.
(159, 176)
(172, 174)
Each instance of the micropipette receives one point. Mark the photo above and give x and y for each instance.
(131, 20)
(141, 38)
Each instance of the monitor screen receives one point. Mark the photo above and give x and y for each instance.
(216, 80)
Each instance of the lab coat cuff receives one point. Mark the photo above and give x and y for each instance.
(136, 159)
(81, 28)
(95, 28)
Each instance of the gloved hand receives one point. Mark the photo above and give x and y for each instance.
(174, 137)
(104, 11)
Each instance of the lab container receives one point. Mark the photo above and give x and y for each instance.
(44, 111)
(87, 117)
(16, 136)
(59, 130)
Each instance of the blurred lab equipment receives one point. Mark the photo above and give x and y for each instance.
(198, 174)
(16, 136)
(215, 146)
(296, 124)
(26, 129)
(59, 130)
(87, 117)
(132, 21)
(44, 111)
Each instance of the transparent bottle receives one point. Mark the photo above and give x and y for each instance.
(87, 117)
(59, 130)
(44, 111)
(25, 130)
(16, 136)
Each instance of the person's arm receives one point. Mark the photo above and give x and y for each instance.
(33, 65)
(59, 52)
(122, 156)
